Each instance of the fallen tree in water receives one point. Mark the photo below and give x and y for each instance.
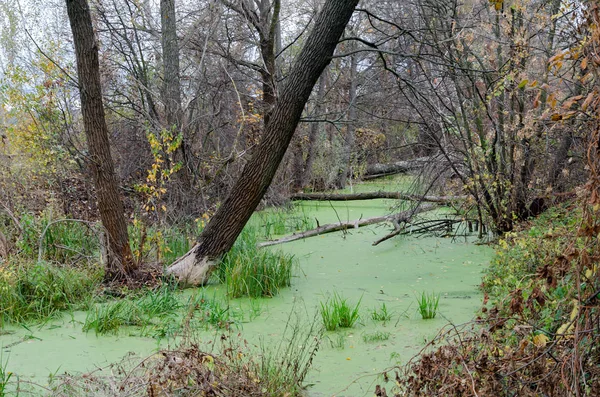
(403, 216)
(380, 170)
(374, 195)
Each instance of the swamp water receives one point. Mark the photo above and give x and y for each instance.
(395, 272)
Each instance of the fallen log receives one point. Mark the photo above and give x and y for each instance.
(399, 167)
(374, 195)
(334, 227)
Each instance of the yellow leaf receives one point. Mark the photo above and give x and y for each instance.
(540, 340)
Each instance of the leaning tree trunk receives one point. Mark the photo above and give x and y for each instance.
(120, 261)
(231, 217)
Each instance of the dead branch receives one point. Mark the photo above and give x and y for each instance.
(430, 226)
(355, 224)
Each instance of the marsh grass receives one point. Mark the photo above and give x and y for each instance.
(282, 368)
(272, 223)
(162, 301)
(154, 311)
(381, 314)
(428, 305)
(213, 311)
(35, 292)
(337, 313)
(377, 336)
(249, 271)
(108, 318)
(337, 341)
(5, 376)
(231, 367)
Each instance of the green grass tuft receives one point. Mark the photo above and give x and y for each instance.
(428, 305)
(336, 313)
(381, 314)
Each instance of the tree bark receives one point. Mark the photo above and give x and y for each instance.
(120, 263)
(170, 55)
(171, 94)
(345, 170)
(313, 135)
(403, 216)
(231, 217)
(374, 195)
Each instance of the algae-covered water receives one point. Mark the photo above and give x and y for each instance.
(347, 363)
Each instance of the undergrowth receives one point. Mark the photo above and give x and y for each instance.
(537, 333)
(231, 367)
(35, 292)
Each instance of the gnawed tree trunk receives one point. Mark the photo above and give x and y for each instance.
(375, 195)
(403, 216)
(231, 217)
(120, 261)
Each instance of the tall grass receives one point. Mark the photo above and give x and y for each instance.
(108, 318)
(282, 367)
(38, 291)
(381, 314)
(57, 240)
(249, 271)
(276, 222)
(151, 311)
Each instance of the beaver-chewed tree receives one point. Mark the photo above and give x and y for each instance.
(231, 217)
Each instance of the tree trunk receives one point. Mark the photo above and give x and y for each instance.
(345, 170)
(248, 190)
(172, 97)
(399, 167)
(170, 55)
(313, 135)
(120, 262)
(374, 195)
